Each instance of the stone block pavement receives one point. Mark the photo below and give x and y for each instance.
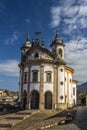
(33, 120)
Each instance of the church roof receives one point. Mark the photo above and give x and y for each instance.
(56, 60)
(41, 48)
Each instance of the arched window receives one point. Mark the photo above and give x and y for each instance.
(60, 52)
(36, 55)
(49, 77)
(35, 76)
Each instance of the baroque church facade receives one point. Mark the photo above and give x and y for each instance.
(45, 79)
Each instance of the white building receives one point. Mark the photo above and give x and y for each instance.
(45, 79)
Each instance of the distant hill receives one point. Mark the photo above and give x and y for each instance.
(82, 88)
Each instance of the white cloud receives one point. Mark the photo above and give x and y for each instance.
(72, 16)
(76, 55)
(55, 16)
(12, 39)
(83, 10)
(70, 11)
(9, 68)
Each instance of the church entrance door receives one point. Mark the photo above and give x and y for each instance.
(34, 99)
(48, 100)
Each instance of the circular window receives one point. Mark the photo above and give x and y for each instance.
(61, 82)
(61, 70)
(61, 97)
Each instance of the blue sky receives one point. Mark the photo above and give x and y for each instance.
(19, 17)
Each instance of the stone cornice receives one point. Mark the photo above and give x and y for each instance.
(74, 81)
(67, 68)
(42, 61)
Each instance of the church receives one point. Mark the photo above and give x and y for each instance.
(45, 79)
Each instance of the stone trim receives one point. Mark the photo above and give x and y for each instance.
(67, 89)
(22, 71)
(28, 90)
(41, 103)
(55, 91)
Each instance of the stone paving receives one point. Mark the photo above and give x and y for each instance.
(41, 120)
(79, 122)
(9, 120)
(34, 120)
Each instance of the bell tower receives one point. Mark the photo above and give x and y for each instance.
(57, 46)
(26, 45)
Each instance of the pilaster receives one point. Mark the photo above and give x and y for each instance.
(55, 90)
(41, 103)
(28, 90)
(22, 70)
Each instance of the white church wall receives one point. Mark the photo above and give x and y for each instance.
(25, 86)
(35, 86)
(65, 81)
(61, 91)
(26, 69)
(48, 87)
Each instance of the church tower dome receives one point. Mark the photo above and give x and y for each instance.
(26, 45)
(57, 46)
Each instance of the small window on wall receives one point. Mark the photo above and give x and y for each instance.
(35, 76)
(61, 70)
(65, 78)
(70, 80)
(25, 77)
(60, 52)
(36, 55)
(74, 91)
(61, 82)
(49, 77)
(61, 97)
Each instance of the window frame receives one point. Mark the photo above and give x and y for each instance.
(25, 77)
(35, 77)
(60, 52)
(74, 92)
(48, 77)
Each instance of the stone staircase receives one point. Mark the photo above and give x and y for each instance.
(9, 120)
(33, 119)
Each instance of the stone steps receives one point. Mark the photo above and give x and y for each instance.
(14, 118)
(7, 125)
(9, 120)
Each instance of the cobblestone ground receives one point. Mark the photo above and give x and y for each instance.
(79, 123)
(41, 119)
